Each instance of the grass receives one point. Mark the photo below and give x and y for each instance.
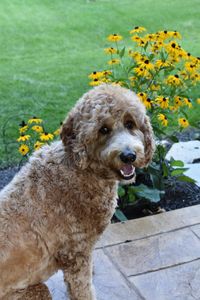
(47, 49)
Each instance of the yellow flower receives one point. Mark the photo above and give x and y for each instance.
(198, 101)
(95, 75)
(155, 87)
(35, 120)
(37, 128)
(141, 71)
(188, 102)
(135, 38)
(190, 67)
(107, 73)
(23, 138)
(172, 47)
(177, 102)
(114, 61)
(162, 101)
(150, 37)
(163, 119)
(38, 145)
(23, 149)
(146, 64)
(142, 96)
(95, 82)
(137, 29)
(174, 80)
(46, 136)
(114, 37)
(57, 131)
(184, 74)
(162, 63)
(23, 127)
(110, 50)
(183, 122)
(148, 103)
(118, 83)
(157, 46)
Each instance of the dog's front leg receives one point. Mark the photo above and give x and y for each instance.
(78, 277)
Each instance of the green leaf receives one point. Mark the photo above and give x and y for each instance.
(177, 172)
(120, 215)
(165, 169)
(176, 163)
(173, 138)
(121, 191)
(186, 179)
(149, 193)
(122, 52)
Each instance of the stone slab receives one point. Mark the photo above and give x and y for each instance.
(196, 230)
(193, 172)
(176, 283)
(185, 151)
(148, 226)
(108, 281)
(153, 253)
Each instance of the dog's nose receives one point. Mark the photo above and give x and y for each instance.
(128, 156)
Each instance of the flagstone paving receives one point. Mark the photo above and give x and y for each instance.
(152, 258)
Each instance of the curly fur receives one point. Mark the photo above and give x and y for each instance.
(54, 210)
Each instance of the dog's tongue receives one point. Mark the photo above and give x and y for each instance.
(127, 170)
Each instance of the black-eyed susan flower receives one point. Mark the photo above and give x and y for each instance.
(135, 38)
(45, 136)
(23, 138)
(163, 102)
(174, 80)
(187, 102)
(148, 103)
(163, 119)
(183, 122)
(137, 29)
(142, 96)
(114, 61)
(95, 82)
(114, 37)
(38, 145)
(198, 101)
(23, 149)
(23, 127)
(110, 50)
(37, 128)
(141, 72)
(175, 34)
(155, 87)
(177, 102)
(190, 67)
(35, 120)
(95, 75)
(146, 64)
(162, 63)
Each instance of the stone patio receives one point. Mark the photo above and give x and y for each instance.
(152, 258)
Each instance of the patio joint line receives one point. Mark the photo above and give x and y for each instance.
(129, 284)
(164, 268)
(146, 237)
(194, 232)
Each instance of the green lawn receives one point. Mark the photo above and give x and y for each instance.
(47, 49)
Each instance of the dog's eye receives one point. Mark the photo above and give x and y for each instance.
(104, 130)
(129, 125)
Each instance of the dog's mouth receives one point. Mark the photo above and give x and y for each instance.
(127, 172)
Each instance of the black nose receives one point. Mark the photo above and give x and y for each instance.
(128, 156)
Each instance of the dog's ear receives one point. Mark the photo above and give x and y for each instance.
(73, 141)
(67, 134)
(149, 140)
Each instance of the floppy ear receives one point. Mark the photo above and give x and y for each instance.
(149, 140)
(67, 134)
(73, 142)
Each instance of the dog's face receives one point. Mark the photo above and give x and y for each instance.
(109, 133)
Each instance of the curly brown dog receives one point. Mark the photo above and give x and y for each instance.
(57, 206)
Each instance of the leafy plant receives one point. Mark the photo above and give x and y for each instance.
(162, 73)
